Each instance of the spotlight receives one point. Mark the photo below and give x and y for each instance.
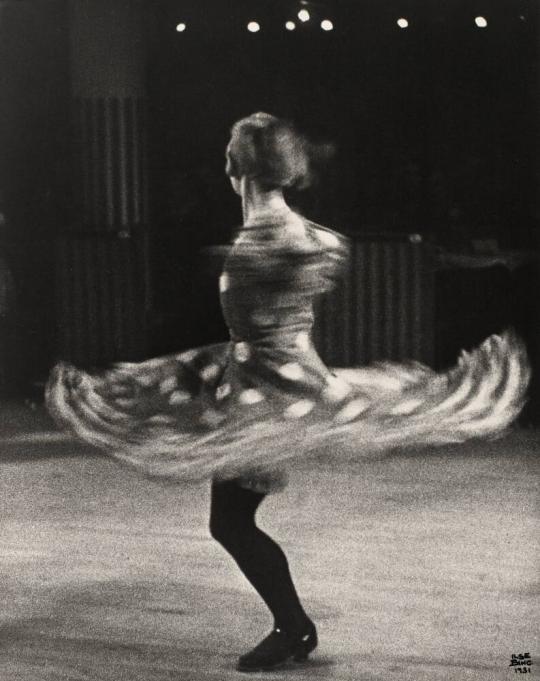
(327, 25)
(253, 27)
(480, 22)
(290, 25)
(304, 15)
(181, 27)
(402, 23)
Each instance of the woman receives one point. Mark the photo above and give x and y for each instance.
(241, 413)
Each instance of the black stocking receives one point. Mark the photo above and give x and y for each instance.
(232, 524)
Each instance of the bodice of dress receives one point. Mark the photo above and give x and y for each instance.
(273, 273)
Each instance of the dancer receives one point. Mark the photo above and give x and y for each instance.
(241, 413)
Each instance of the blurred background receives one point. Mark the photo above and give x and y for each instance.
(114, 117)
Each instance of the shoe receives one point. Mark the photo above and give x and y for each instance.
(278, 648)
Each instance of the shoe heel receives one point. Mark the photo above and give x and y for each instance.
(304, 648)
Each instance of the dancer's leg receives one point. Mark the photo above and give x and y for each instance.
(232, 524)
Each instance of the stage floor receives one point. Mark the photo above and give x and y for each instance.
(419, 566)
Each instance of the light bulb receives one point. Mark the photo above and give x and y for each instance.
(304, 15)
(253, 27)
(181, 27)
(327, 25)
(402, 23)
(290, 25)
(480, 22)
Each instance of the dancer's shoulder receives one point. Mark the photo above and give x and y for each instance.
(326, 237)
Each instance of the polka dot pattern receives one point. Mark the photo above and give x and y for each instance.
(299, 409)
(336, 389)
(125, 402)
(146, 380)
(179, 397)
(250, 396)
(224, 282)
(265, 395)
(407, 407)
(210, 372)
(328, 239)
(161, 419)
(302, 341)
(292, 371)
(223, 391)
(188, 356)
(353, 409)
(168, 385)
(121, 390)
(242, 352)
(212, 418)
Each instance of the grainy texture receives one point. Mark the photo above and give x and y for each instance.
(415, 567)
(245, 408)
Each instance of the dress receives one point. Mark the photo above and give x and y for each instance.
(248, 409)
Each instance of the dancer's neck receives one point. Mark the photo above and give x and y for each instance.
(258, 203)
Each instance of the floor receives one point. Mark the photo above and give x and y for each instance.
(418, 566)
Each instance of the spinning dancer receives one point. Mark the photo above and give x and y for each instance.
(241, 413)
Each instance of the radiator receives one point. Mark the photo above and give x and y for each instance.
(383, 308)
(102, 274)
(102, 291)
(109, 163)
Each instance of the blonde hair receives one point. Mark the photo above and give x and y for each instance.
(269, 150)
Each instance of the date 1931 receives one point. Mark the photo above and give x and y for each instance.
(521, 662)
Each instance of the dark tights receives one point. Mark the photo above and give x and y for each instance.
(232, 524)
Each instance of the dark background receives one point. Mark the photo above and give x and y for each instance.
(433, 124)
(34, 176)
(435, 130)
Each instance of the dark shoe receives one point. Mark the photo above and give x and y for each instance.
(278, 648)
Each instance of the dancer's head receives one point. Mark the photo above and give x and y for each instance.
(269, 152)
